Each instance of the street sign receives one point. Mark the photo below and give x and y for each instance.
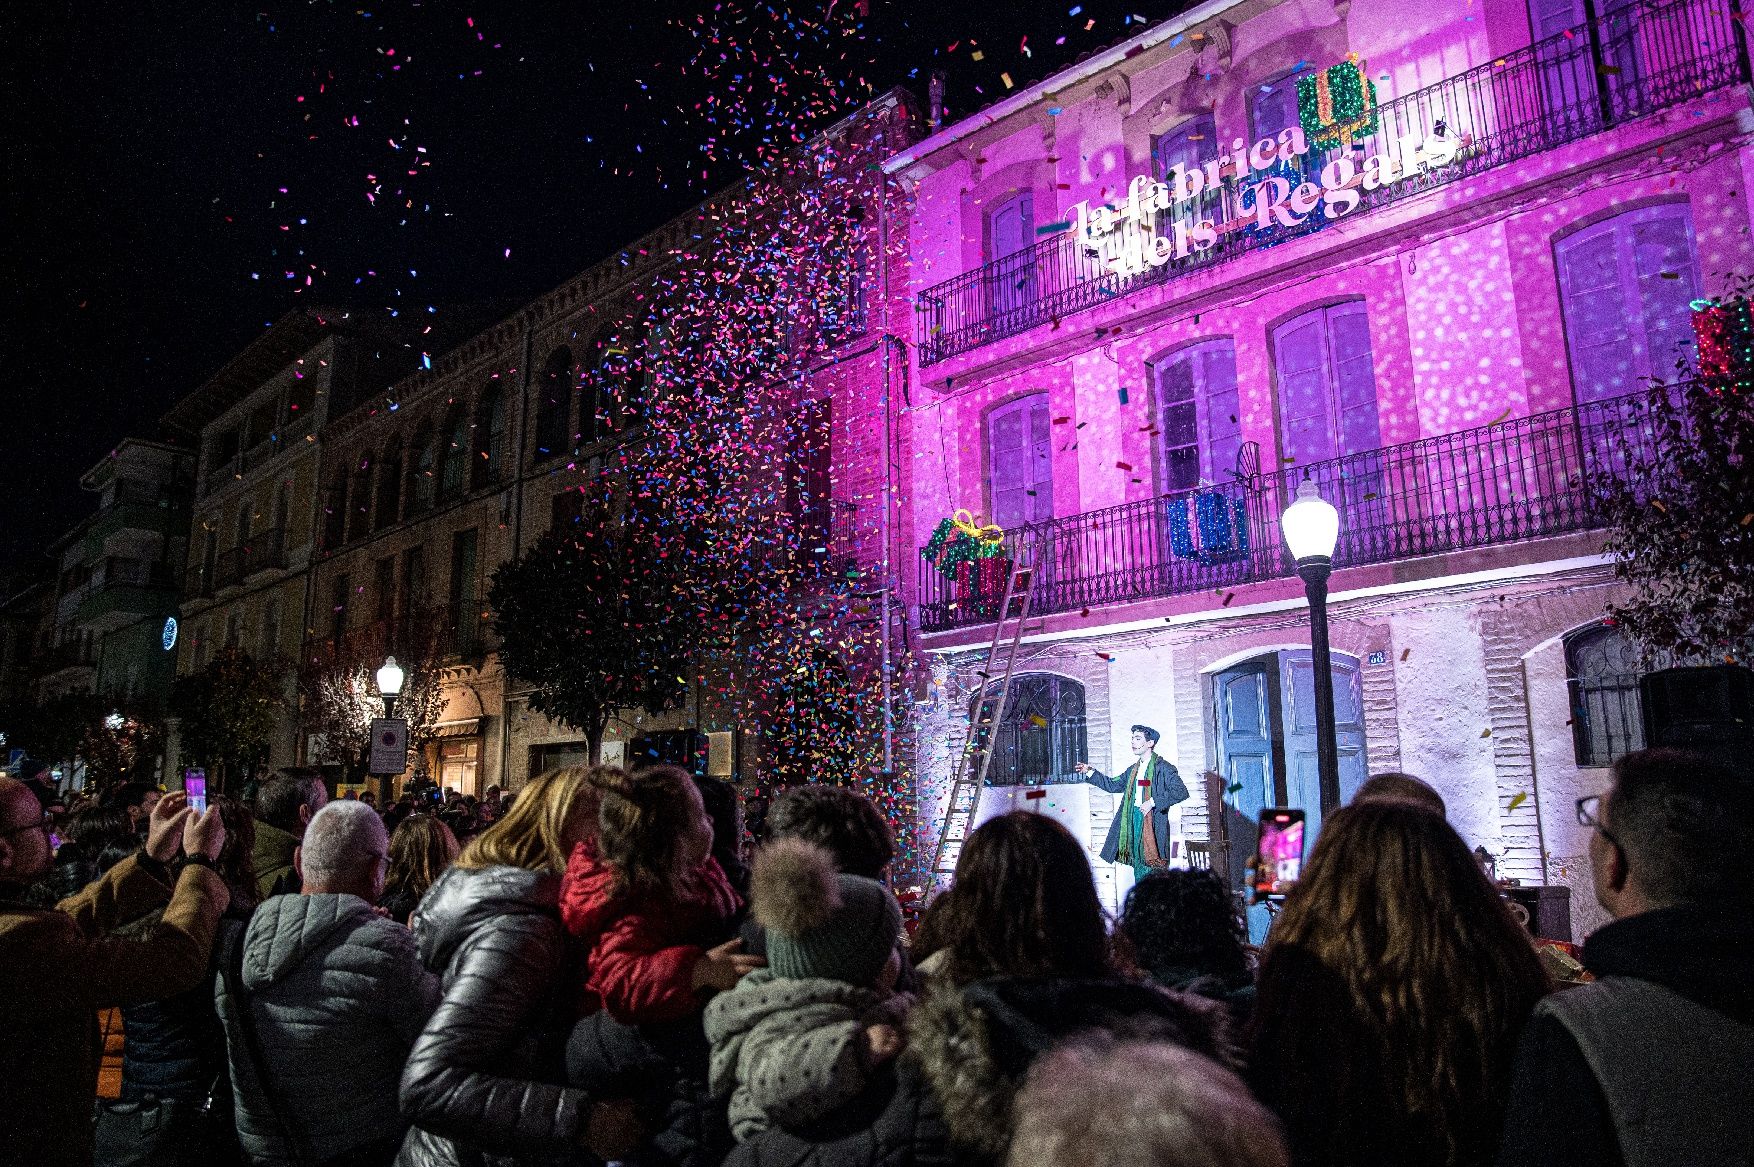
(389, 745)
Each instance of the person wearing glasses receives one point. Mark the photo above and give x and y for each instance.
(58, 967)
(1651, 1063)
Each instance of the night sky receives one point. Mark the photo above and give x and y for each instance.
(169, 165)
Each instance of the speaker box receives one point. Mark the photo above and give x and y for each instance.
(1709, 710)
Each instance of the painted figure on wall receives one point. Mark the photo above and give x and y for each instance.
(1138, 839)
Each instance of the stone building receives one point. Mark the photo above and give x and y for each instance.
(1160, 289)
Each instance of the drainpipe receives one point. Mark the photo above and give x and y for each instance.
(886, 590)
(505, 680)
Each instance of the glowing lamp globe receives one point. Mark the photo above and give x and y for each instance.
(114, 722)
(1311, 525)
(390, 678)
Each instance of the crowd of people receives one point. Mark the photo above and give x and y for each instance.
(607, 968)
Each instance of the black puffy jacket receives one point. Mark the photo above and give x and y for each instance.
(175, 1047)
(483, 1083)
(663, 1068)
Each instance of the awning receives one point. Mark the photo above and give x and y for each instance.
(467, 727)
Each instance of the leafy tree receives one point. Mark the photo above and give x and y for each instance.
(337, 686)
(129, 752)
(226, 714)
(1682, 517)
(593, 616)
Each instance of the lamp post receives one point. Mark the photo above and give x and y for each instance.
(1312, 527)
(390, 678)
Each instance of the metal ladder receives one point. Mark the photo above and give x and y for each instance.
(977, 748)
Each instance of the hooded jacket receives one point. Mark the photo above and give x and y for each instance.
(789, 1051)
(1675, 996)
(482, 1084)
(337, 996)
(642, 950)
(974, 1045)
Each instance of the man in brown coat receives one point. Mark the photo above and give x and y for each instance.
(57, 967)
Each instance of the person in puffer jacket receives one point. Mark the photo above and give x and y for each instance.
(799, 1039)
(335, 997)
(649, 904)
(485, 1082)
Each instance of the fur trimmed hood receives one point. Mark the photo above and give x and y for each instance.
(975, 1045)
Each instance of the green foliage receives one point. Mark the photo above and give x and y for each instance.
(594, 618)
(337, 686)
(1682, 521)
(227, 712)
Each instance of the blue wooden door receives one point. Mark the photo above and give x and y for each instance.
(1302, 775)
(1242, 703)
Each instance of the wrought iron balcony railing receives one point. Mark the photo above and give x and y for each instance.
(1530, 478)
(1642, 57)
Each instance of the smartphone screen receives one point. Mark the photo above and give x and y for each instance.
(195, 786)
(1281, 852)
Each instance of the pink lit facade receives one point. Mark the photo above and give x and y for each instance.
(1446, 323)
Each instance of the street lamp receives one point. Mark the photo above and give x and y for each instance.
(114, 721)
(390, 678)
(1312, 527)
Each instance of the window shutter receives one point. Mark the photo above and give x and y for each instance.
(1552, 17)
(1178, 420)
(1222, 407)
(1013, 220)
(1668, 283)
(1596, 324)
(1041, 460)
(1299, 349)
(1354, 378)
(1020, 458)
(1189, 144)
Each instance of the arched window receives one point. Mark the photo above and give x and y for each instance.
(389, 500)
(488, 462)
(423, 471)
(335, 512)
(1625, 286)
(454, 452)
(1020, 461)
(1607, 716)
(359, 515)
(1327, 384)
(1011, 278)
(1191, 145)
(554, 404)
(1197, 414)
(1042, 733)
(598, 387)
(629, 371)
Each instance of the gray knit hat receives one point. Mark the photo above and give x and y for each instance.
(821, 923)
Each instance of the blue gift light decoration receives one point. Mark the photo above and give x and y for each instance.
(1221, 523)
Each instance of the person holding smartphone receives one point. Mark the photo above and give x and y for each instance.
(59, 967)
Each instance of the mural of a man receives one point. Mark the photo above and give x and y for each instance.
(1138, 839)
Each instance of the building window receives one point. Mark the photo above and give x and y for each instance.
(1020, 461)
(554, 403)
(566, 508)
(271, 632)
(359, 515)
(234, 630)
(423, 472)
(454, 473)
(384, 588)
(1625, 289)
(1011, 276)
(335, 514)
(339, 593)
(1042, 733)
(1327, 384)
(1273, 106)
(809, 477)
(413, 580)
(459, 761)
(389, 501)
(465, 604)
(489, 459)
(1198, 414)
(1190, 145)
(1607, 715)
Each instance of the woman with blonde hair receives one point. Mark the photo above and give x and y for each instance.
(1392, 991)
(421, 847)
(484, 1078)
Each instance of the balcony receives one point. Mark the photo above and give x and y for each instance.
(1531, 478)
(265, 551)
(71, 655)
(1634, 61)
(123, 589)
(228, 568)
(827, 539)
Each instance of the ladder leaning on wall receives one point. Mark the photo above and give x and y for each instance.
(977, 748)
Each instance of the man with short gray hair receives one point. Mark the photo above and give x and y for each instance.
(323, 1003)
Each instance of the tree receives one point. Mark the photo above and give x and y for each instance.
(226, 714)
(337, 686)
(592, 617)
(1682, 516)
(124, 752)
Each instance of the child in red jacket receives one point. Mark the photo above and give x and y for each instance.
(650, 903)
